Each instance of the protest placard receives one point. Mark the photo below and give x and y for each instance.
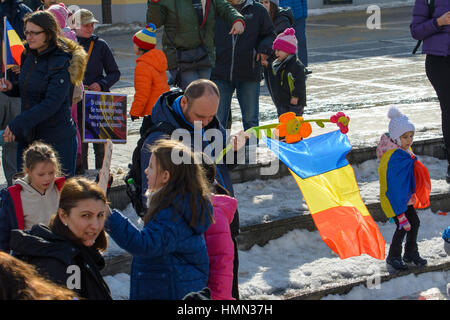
(105, 117)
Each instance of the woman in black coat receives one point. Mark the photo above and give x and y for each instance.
(67, 252)
(51, 66)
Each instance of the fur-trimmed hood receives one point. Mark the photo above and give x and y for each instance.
(78, 62)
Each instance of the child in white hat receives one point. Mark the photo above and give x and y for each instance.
(404, 187)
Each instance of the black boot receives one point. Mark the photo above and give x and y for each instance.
(447, 178)
(396, 263)
(415, 258)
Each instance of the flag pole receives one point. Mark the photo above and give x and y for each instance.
(4, 45)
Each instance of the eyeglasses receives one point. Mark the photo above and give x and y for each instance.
(32, 33)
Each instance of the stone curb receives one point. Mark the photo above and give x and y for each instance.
(244, 173)
(345, 288)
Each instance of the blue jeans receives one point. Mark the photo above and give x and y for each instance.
(186, 77)
(248, 96)
(300, 34)
(67, 153)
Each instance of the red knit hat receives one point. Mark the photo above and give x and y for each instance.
(286, 41)
(146, 38)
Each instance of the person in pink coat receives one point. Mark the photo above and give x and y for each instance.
(219, 245)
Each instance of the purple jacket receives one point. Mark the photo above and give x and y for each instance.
(436, 40)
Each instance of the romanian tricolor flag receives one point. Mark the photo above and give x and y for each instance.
(12, 46)
(401, 177)
(329, 188)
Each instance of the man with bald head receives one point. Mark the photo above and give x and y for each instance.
(194, 111)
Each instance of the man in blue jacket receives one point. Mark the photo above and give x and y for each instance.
(197, 106)
(300, 10)
(14, 11)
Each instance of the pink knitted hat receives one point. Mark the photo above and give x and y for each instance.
(286, 41)
(61, 14)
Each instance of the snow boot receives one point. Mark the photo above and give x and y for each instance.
(415, 258)
(447, 178)
(396, 263)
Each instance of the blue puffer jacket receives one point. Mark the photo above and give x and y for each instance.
(45, 88)
(299, 7)
(167, 109)
(170, 258)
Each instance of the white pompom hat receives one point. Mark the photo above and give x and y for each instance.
(399, 124)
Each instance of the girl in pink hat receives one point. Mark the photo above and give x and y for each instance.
(286, 75)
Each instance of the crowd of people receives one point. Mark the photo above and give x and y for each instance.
(54, 221)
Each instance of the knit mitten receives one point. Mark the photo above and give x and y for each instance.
(403, 222)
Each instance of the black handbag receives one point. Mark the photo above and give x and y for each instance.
(192, 59)
(196, 58)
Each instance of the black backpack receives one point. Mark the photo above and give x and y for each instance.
(430, 15)
(133, 180)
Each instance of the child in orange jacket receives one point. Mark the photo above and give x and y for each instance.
(150, 79)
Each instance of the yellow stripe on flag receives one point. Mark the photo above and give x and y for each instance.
(335, 188)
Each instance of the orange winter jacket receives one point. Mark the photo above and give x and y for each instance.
(150, 81)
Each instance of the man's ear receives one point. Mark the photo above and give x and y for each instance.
(183, 103)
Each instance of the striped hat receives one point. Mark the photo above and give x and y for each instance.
(146, 38)
(286, 41)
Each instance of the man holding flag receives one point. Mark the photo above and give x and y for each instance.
(14, 11)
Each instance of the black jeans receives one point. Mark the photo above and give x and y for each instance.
(411, 236)
(438, 72)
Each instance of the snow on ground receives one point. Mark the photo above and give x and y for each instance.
(300, 259)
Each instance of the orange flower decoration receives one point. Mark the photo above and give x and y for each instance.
(293, 128)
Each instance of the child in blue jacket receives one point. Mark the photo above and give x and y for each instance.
(170, 258)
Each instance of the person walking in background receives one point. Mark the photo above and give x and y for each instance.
(72, 242)
(286, 79)
(34, 196)
(188, 38)
(433, 28)
(169, 255)
(238, 61)
(51, 66)
(14, 11)
(300, 10)
(282, 18)
(21, 281)
(150, 80)
(101, 74)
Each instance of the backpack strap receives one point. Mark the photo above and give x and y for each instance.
(430, 15)
(14, 192)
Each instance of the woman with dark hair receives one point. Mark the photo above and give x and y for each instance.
(282, 18)
(21, 281)
(68, 250)
(51, 66)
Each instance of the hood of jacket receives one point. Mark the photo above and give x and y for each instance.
(78, 62)
(200, 226)
(154, 58)
(27, 190)
(40, 241)
(385, 145)
(226, 204)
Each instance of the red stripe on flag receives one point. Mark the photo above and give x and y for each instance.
(348, 233)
